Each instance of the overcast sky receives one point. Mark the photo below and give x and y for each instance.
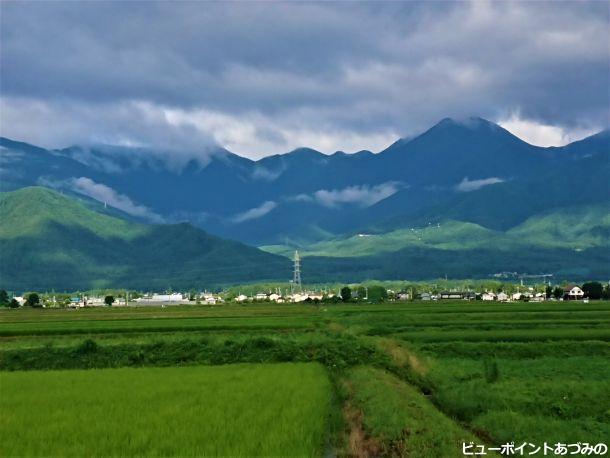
(264, 78)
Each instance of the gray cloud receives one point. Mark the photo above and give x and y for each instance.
(467, 185)
(262, 78)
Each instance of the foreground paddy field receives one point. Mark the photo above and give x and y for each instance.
(415, 379)
(239, 410)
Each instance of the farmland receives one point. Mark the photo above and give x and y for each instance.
(157, 411)
(392, 379)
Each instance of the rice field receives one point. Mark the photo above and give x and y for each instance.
(238, 410)
(411, 379)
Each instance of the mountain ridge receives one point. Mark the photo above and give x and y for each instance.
(462, 168)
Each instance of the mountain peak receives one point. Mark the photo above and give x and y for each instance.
(305, 152)
(470, 123)
(453, 128)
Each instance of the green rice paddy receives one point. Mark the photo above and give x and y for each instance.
(412, 379)
(237, 410)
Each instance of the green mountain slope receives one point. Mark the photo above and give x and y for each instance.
(574, 227)
(566, 228)
(448, 235)
(48, 240)
(52, 241)
(29, 211)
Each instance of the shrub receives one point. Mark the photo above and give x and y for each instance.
(87, 347)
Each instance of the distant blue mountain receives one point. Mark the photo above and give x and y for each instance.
(471, 170)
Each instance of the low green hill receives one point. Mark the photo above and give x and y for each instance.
(48, 240)
(572, 228)
(29, 211)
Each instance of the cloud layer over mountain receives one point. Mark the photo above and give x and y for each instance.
(263, 78)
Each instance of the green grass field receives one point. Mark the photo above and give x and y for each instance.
(412, 379)
(238, 410)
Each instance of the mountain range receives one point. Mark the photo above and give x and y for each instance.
(460, 186)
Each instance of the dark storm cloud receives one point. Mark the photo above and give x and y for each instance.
(264, 77)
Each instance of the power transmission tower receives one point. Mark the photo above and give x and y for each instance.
(296, 278)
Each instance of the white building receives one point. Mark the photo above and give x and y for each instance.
(298, 297)
(172, 297)
(95, 301)
(487, 296)
(502, 296)
(241, 298)
(572, 292)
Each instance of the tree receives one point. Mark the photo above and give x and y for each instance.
(606, 292)
(33, 300)
(3, 298)
(346, 293)
(109, 300)
(548, 291)
(593, 290)
(373, 293)
(558, 292)
(13, 303)
(377, 293)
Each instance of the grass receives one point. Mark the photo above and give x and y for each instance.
(222, 410)
(401, 420)
(335, 352)
(569, 395)
(161, 325)
(408, 379)
(519, 380)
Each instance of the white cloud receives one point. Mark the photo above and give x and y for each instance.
(300, 198)
(142, 126)
(263, 173)
(256, 212)
(467, 185)
(255, 135)
(106, 194)
(364, 195)
(540, 134)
